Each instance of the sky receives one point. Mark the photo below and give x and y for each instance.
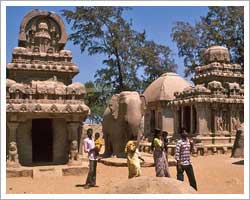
(156, 21)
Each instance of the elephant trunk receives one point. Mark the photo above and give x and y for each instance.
(134, 123)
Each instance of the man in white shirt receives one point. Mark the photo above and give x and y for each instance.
(89, 147)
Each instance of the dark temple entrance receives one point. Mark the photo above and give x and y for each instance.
(186, 118)
(42, 140)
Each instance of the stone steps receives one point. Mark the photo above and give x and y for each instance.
(48, 171)
(199, 149)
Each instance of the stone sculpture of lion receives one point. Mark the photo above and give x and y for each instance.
(73, 155)
(13, 155)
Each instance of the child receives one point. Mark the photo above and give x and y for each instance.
(98, 142)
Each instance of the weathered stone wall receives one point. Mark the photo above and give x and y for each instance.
(24, 142)
(168, 120)
(60, 142)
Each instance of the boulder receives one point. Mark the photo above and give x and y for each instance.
(151, 185)
(238, 147)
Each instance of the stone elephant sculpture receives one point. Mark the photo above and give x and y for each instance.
(121, 121)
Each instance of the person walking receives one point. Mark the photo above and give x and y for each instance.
(183, 157)
(90, 148)
(165, 141)
(161, 165)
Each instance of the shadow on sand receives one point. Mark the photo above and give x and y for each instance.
(80, 185)
(241, 162)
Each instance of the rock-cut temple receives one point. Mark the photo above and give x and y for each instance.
(45, 109)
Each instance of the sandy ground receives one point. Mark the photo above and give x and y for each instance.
(218, 174)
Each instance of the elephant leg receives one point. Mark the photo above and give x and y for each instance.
(108, 147)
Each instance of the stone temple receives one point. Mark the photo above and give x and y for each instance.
(44, 108)
(211, 110)
(159, 95)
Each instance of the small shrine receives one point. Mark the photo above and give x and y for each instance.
(159, 95)
(45, 110)
(214, 107)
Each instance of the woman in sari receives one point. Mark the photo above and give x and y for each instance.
(161, 165)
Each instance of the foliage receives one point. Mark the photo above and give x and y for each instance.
(96, 101)
(221, 26)
(157, 60)
(103, 30)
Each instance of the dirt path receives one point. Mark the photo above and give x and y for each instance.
(214, 174)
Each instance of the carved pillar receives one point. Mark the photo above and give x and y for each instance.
(232, 117)
(197, 121)
(175, 112)
(202, 121)
(73, 130)
(182, 116)
(214, 121)
(191, 119)
(12, 130)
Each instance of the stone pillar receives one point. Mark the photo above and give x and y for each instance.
(230, 120)
(73, 140)
(12, 130)
(215, 118)
(73, 130)
(182, 116)
(202, 121)
(191, 120)
(175, 113)
(13, 160)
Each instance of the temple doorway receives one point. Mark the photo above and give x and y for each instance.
(42, 141)
(186, 118)
(152, 121)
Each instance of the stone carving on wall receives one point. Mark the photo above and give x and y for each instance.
(48, 108)
(225, 120)
(219, 124)
(216, 54)
(233, 89)
(42, 35)
(51, 86)
(235, 121)
(12, 160)
(216, 87)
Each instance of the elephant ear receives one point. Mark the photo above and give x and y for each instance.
(114, 106)
(144, 103)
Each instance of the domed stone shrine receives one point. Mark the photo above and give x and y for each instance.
(44, 108)
(211, 110)
(159, 95)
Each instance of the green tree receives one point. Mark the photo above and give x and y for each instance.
(157, 60)
(96, 101)
(221, 26)
(103, 30)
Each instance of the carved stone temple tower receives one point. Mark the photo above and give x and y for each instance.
(44, 108)
(214, 108)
